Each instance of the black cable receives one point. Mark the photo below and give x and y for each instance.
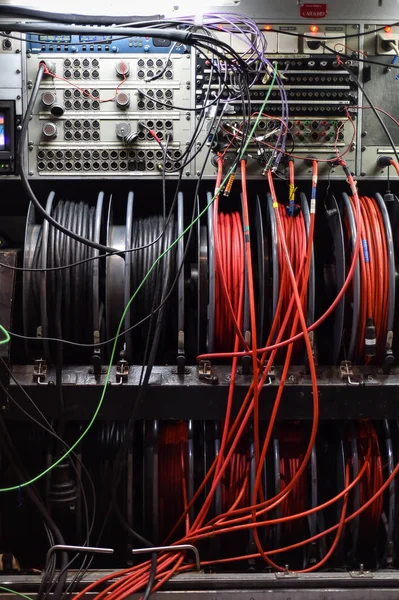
(68, 294)
(370, 103)
(53, 17)
(46, 426)
(151, 579)
(176, 35)
(12, 455)
(142, 390)
(24, 179)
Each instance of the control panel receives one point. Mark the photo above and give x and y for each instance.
(100, 115)
(322, 99)
(101, 43)
(110, 106)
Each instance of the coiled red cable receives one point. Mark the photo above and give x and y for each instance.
(228, 228)
(372, 481)
(173, 475)
(295, 234)
(292, 448)
(374, 282)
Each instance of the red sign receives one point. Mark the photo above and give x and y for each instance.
(313, 11)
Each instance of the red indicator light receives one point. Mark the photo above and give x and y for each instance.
(388, 29)
(314, 28)
(267, 27)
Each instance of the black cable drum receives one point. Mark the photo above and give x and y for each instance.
(66, 303)
(146, 338)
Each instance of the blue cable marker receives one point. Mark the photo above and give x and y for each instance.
(366, 251)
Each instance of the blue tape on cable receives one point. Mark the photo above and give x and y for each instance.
(366, 251)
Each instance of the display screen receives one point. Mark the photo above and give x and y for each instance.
(2, 132)
(94, 38)
(55, 39)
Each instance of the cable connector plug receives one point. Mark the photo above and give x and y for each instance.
(384, 161)
(389, 197)
(229, 185)
(370, 340)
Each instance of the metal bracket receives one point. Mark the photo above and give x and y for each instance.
(176, 548)
(122, 371)
(181, 355)
(205, 372)
(287, 574)
(346, 372)
(40, 371)
(67, 548)
(361, 574)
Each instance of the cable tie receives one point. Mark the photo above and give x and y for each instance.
(313, 206)
(198, 20)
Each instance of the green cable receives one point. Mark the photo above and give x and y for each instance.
(111, 360)
(7, 335)
(15, 593)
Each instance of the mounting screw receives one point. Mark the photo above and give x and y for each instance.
(19, 98)
(18, 71)
(198, 173)
(187, 173)
(215, 380)
(30, 173)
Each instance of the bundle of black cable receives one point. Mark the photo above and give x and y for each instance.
(155, 289)
(64, 298)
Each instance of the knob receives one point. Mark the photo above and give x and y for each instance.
(49, 130)
(74, 49)
(146, 48)
(123, 100)
(114, 48)
(122, 129)
(123, 69)
(48, 98)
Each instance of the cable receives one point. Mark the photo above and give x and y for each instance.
(373, 108)
(25, 182)
(6, 336)
(54, 17)
(175, 35)
(228, 236)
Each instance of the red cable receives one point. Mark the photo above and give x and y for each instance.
(393, 163)
(374, 279)
(334, 304)
(231, 261)
(83, 90)
(292, 448)
(173, 474)
(372, 481)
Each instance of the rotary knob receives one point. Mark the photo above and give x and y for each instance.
(122, 68)
(123, 100)
(48, 98)
(49, 130)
